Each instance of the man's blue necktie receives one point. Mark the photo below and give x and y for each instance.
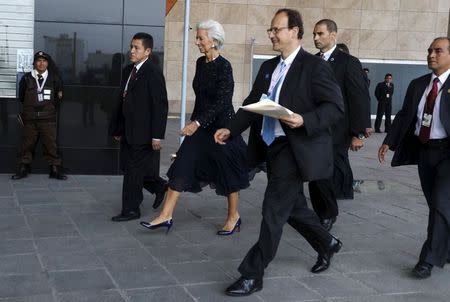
(268, 134)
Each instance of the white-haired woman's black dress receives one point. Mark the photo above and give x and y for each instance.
(200, 161)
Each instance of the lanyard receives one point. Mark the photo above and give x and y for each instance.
(40, 87)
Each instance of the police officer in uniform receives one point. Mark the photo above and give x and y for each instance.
(40, 91)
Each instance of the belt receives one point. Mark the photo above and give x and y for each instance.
(43, 113)
(38, 114)
(436, 143)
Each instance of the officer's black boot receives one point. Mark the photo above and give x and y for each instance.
(22, 171)
(56, 172)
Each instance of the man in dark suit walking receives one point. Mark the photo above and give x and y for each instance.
(139, 125)
(420, 135)
(297, 147)
(383, 93)
(348, 132)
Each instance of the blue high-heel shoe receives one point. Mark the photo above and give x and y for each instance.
(237, 228)
(165, 224)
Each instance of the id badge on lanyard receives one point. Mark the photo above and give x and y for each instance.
(43, 94)
(426, 119)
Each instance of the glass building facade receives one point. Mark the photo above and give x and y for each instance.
(89, 41)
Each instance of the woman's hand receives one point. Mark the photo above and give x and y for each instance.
(189, 129)
(221, 136)
(382, 152)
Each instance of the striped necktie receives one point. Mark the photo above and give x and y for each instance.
(268, 133)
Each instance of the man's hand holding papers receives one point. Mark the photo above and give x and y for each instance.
(266, 106)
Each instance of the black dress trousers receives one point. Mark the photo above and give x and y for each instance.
(284, 201)
(434, 173)
(136, 162)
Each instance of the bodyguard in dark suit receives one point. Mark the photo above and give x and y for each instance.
(297, 147)
(420, 135)
(383, 93)
(139, 125)
(349, 131)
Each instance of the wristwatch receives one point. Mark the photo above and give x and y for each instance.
(361, 136)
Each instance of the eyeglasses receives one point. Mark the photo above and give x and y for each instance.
(276, 30)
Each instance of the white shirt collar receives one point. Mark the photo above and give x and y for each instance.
(288, 61)
(442, 78)
(34, 74)
(327, 55)
(140, 64)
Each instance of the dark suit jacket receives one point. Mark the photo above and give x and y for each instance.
(382, 90)
(144, 114)
(351, 80)
(400, 137)
(309, 89)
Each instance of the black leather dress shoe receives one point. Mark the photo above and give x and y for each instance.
(327, 223)
(126, 216)
(422, 270)
(323, 261)
(22, 172)
(244, 287)
(448, 260)
(56, 172)
(159, 197)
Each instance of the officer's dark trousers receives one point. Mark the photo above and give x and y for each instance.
(136, 163)
(32, 132)
(284, 201)
(384, 108)
(434, 173)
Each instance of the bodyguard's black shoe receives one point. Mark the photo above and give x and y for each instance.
(125, 216)
(159, 197)
(22, 172)
(422, 270)
(56, 172)
(327, 223)
(244, 287)
(323, 261)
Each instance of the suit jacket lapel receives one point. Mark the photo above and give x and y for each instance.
(139, 74)
(268, 74)
(420, 89)
(444, 112)
(290, 79)
(126, 75)
(334, 55)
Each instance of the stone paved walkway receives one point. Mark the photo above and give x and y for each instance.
(57, 243)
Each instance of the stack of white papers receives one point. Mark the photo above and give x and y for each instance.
(267, 107)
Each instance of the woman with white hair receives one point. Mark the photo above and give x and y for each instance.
(200, 161)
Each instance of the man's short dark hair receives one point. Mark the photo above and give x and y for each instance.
(388, 75)
(343, 47)
(147, 39)
(294, 19)
(331, 25)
